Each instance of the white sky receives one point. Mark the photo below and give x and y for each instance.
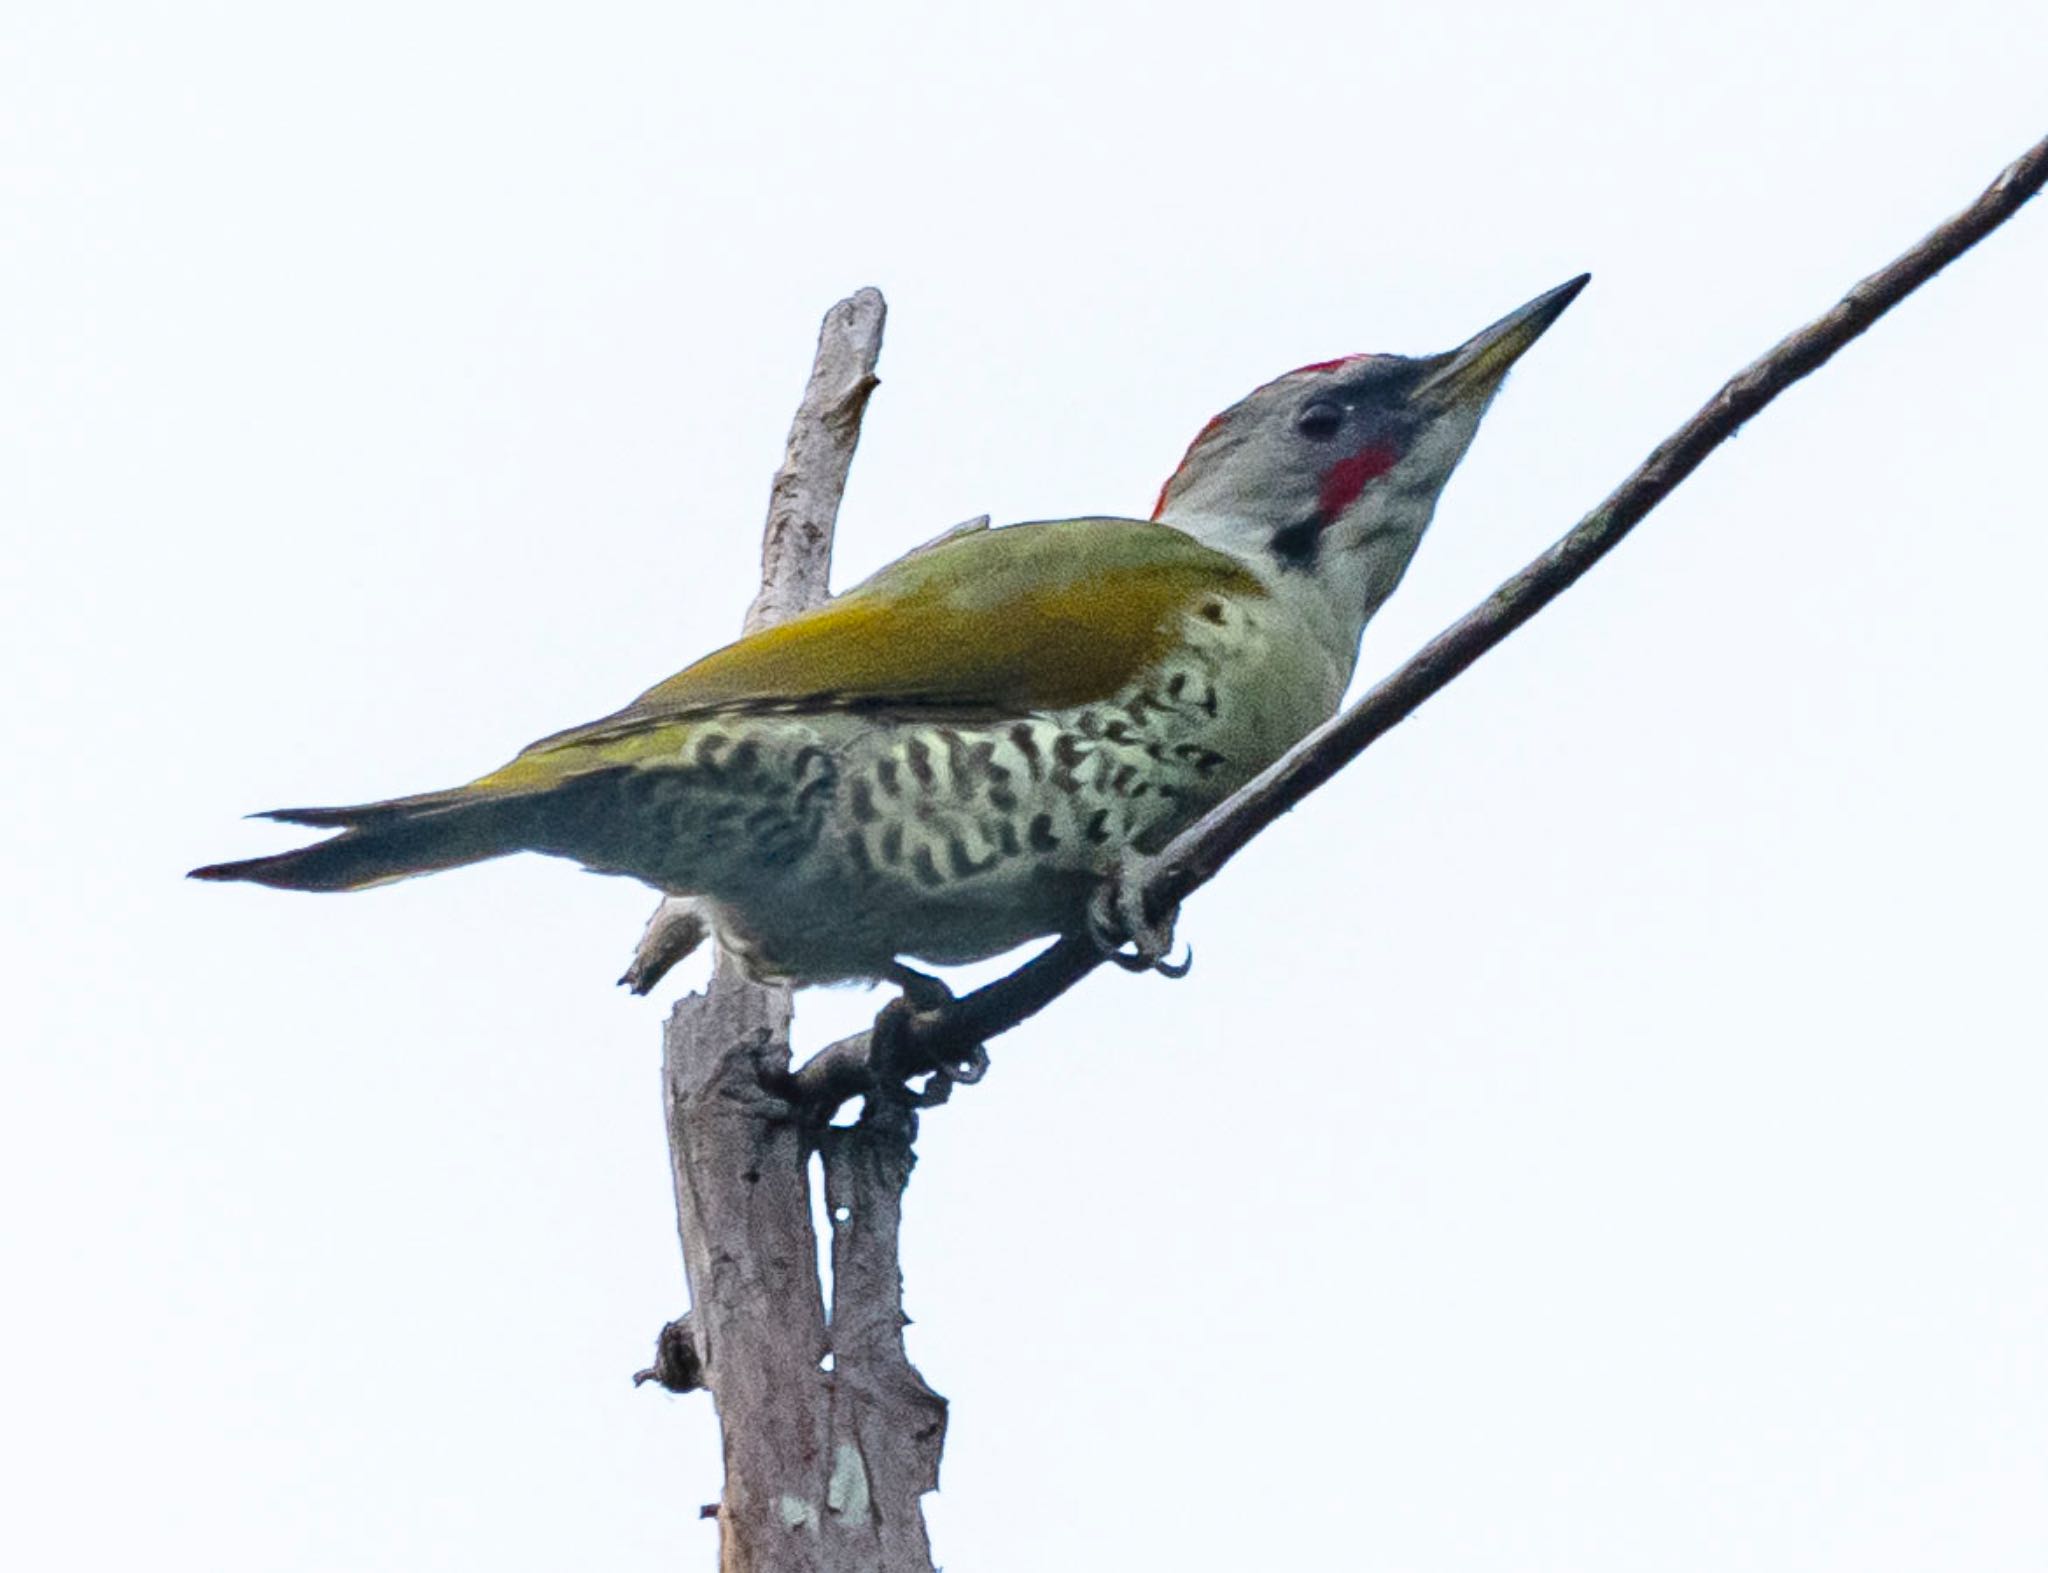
(1603, 1131)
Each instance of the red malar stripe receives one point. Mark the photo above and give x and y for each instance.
(1344, 480)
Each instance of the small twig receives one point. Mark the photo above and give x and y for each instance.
(1193, 858)
(677, 1365)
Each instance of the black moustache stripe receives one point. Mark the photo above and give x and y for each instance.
(1299, 544)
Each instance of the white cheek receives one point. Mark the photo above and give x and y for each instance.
(1437, 451)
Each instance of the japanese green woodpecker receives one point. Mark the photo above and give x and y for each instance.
(955, 756)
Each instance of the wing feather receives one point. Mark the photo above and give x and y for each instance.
(987, 623)
(996, 622)
(1028, 617)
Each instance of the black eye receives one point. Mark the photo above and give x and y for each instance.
(1320, 421)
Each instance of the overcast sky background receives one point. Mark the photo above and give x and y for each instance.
(1603, 1130)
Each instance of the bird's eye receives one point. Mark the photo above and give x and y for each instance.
(1320, 421)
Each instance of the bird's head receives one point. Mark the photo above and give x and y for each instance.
(1324, 480)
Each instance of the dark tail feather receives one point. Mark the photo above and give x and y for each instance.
(360, 816)
(384, 845)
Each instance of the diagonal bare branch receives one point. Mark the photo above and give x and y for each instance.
(845, 1069)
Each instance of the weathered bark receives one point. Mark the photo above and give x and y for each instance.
(888, 1427)
(743, 1206)
(826, 1459)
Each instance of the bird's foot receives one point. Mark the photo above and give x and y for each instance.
(1128, 929)
(924, 992)
(894, 1058)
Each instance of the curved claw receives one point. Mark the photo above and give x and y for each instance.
(1120, 916)
(970, 1068)
(934, 1092)
(922, 994)
(938, 1087)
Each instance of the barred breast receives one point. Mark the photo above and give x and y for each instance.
(857, 842)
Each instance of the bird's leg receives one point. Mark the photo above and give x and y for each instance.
(923, 991)
(922, 995)
(1119, 915)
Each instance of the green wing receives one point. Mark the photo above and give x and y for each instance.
(1030, 617)
(999, 622)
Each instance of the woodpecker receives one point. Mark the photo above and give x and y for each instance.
(959, 754)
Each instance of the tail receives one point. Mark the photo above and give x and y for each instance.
(380, 842)
(558, 796)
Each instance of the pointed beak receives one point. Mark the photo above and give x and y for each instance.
(1475, 369)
